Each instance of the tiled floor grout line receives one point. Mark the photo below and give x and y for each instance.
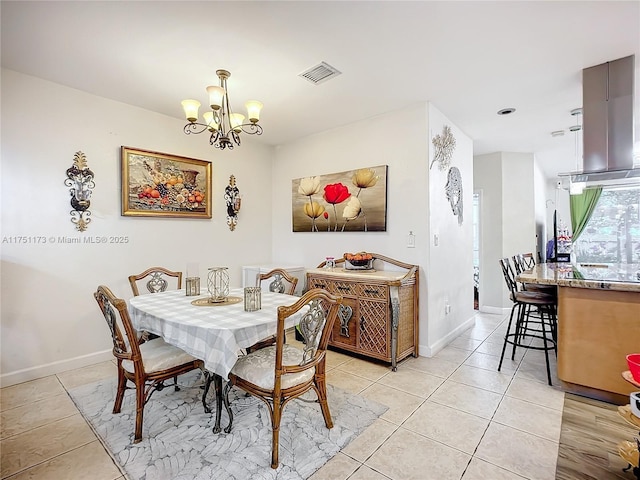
(471, 457)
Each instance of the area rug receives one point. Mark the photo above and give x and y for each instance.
(178, 442)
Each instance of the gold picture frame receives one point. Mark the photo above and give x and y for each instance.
(163, 185)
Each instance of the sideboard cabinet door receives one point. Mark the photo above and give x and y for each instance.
(379, 316)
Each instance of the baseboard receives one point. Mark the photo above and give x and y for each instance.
(431, 350)
(495, 310)
(40, 371)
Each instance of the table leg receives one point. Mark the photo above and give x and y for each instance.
(208, 377)
(217, 379)
(217, 384)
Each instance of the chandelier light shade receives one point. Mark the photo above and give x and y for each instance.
(224, 125)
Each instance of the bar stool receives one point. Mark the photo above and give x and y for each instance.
(525, 261)
(536, 318)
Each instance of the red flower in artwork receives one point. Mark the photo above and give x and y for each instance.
(335, 193)
(326, 215)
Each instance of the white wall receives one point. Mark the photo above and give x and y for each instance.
(450, 267)
(508, 219)
(557, 199)
(540, 190)
(400, 140)
(49, 319)
(487, 181)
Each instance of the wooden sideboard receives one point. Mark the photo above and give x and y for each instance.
(379, 316)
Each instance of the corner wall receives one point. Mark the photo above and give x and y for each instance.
(401, 140)
(49, 319)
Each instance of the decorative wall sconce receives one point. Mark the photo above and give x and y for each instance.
(80, 182)
(232, 197)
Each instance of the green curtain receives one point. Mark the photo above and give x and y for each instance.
(582, 207)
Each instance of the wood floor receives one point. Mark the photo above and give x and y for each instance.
(591, 431)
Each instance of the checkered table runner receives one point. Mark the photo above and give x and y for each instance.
(214, 334)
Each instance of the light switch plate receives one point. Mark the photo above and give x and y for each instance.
(411, 240)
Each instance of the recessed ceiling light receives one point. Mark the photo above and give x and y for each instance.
(506, 111)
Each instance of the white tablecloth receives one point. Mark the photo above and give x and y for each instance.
(214, 334)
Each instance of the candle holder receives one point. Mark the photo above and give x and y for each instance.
(218, 284)
(252, 299)
(192, 286)
(192, 283)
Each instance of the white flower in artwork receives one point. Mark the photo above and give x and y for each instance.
(352, 209)
(309, 186)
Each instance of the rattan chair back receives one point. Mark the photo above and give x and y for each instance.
(154, 280)
(283, 281)
(287, 380)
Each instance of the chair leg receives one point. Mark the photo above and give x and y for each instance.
(506, 337)
(522, 310)
(275, 427)
(175, 384)
(139, 411)
(122, 384)
(544, 342)
(321, 389)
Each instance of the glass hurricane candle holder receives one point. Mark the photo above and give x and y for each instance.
(218, 284)
(252, 299)
(192, 286)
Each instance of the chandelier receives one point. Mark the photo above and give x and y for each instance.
(224, 125)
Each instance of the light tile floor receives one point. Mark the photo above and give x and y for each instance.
(453, 416)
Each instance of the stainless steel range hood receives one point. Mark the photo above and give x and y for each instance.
(607, 104)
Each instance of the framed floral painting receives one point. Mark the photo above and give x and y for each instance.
(351, 201)
(163, 185)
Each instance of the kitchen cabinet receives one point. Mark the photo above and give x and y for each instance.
(379, 315)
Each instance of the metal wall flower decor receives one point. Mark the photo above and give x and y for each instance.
(443, 145)
(80, 182)
(319, 197)
(453, 190)
(232, 197)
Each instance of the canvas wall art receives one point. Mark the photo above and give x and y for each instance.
(164, 185)
(351, 201)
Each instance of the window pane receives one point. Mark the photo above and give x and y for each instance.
(613, 232)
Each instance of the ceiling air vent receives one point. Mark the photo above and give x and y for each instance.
(320, 73)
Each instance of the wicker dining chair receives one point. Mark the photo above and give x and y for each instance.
(157, 280)
(283, 281)
(147, 364)
(282, 372)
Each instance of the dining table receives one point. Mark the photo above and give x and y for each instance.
(214, 332)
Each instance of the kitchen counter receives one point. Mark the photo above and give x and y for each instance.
(598, 325)
(602, 276)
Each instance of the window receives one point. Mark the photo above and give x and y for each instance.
(613, 232)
